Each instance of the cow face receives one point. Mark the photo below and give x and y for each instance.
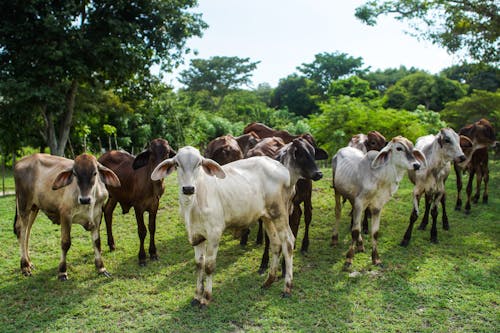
(189, 163)
(299, 158)
(85, 170)
(157, 151)
(449, 142)
(375, 141)
(402, 153)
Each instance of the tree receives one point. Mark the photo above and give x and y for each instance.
(476, 76)
(381, 80)
(470, 26)
(295, 93)
(421, 88)
(48, 49)
(353, 86)
(218, 75)
(328, 67)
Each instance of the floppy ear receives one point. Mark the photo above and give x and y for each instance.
(213, 168)
(320, 154)
(141, 159)
(420, 157)
(108, 177)
(465, 142)
(63, 179)
(164, 169)
(381, 158)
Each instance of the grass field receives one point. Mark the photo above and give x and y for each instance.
(453, 286)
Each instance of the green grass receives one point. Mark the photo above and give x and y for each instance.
(452, 286)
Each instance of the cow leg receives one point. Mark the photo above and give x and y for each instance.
(479, 180)
(152, 231)
(375, 213)
(468, 190)
(265, 257)
(446, 224)
(486, 180)
(294, 219)
(365, 221)
(108, 218)
(458, 174)
(141, 230)
(355, 235)
(244, 237)
(23, 222)
(287, 244)
(210, 259)
(307, 223)
(425, 219)
(33, 214)
(199, 258)
(338, 213)
(275, 247)
(413, 218)
(96, 243)
(65, 245)
(260, 234)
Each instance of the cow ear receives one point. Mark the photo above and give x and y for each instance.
(172, 153)
(420, 158)
(465, 142)
(164, 169)
(108, 177)
(381, 158)
(63, 179)
(320, 154)
(141, 159)
(213, 168)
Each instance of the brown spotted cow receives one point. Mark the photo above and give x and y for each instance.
(68, 192)
(137, 190)
(482, 135)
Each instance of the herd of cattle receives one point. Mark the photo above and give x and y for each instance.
(273, 168)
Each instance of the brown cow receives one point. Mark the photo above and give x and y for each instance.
(366, 142)
(227, 148)
(67, 192)
(482, 135)
(137, 190)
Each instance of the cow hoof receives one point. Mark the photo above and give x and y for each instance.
(154, 257)
(347, 267)
(26, 273)
(195, 302)
(467, 212)
(63, 277)
(105, 274)
(262, 270)
(379, 264)
(404, 243)
(142, 263)
(434, 241)
(286, 294)
(303, 252)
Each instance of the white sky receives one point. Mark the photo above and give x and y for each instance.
(283, 34)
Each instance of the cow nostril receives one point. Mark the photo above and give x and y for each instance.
(462, 158)
(188, 190)
(317, 175)
(85, 200)
(416, 166)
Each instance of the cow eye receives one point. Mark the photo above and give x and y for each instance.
(399, 149)
(447, 140)
(94, 174)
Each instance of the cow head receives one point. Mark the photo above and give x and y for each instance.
(375, 141)
(85, 169)
(189, 163)
(449, 142)
(155, 152)
(401, 152)
(299, 158)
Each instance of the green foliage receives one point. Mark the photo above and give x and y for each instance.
(476, 76)
(421, 88)
(463, 27)
(343, 117)
(296, 94)
(447, 287)
(353, 86)
(469, 109)
(328, 67)
(381, 80)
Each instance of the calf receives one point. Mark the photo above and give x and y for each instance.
(482, 135)
(67, 192)
(366, 142)
(368, 181)
(439, 151)
(224, 149)
(137, 190)
(211, 200)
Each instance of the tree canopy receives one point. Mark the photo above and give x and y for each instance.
(468, 26)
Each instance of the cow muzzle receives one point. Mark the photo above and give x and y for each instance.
(416, 166)
(84, 200)
(188, 190)
(460, 159)
(317, 175)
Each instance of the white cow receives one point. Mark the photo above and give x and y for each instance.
(368, 181)
(214, 198)
(439, 150)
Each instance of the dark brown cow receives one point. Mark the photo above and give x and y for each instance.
(137, 190)
(67, 192)
(267, 147)
(303, 188)
(482, 135)
(247, 141)
(227, 148)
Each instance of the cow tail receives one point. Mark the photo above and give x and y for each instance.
(15, 221)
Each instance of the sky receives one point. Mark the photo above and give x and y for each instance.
(283, 34)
